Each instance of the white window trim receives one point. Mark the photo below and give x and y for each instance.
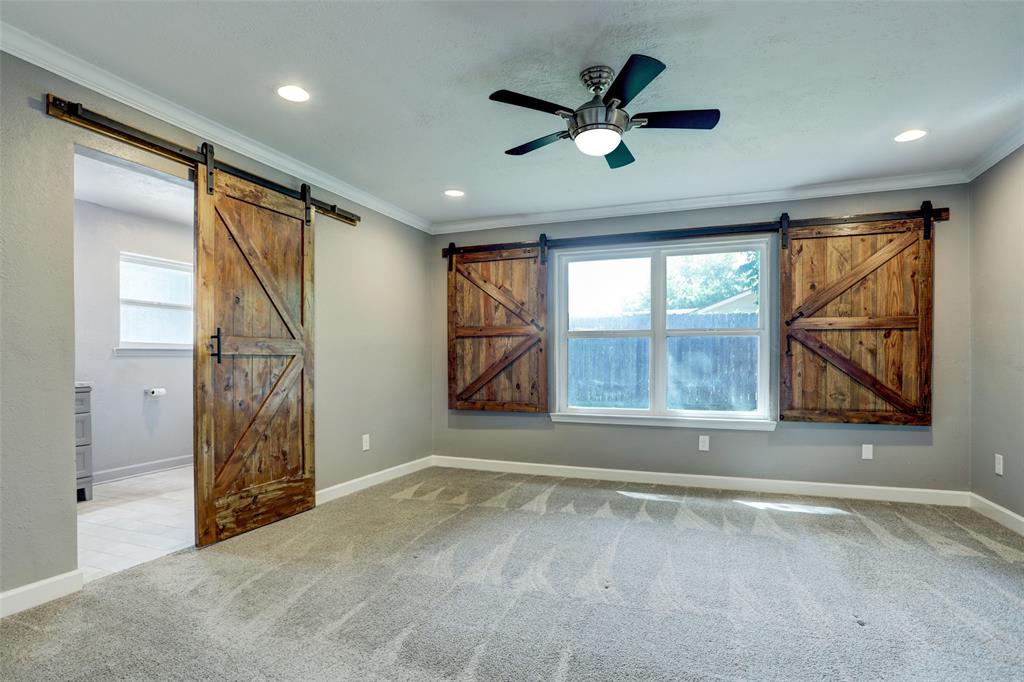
(658, 414)
(137, 348)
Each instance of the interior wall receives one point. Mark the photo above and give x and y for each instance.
(132, 433)
(997, 327)
(923, 457)
(370, 302)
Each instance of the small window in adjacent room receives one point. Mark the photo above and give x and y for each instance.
(156, 302)
(671, 335)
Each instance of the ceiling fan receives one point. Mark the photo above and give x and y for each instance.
(598, 125)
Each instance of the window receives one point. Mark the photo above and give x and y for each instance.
(156, 302)
(672, 335)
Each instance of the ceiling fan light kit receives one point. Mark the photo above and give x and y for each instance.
(598, 125)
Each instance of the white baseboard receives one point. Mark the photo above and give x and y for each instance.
(39, 592)
(997, 513)
(118, 473)
(355, 485)
(950, 498)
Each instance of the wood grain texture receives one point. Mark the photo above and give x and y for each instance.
(858, 300)
(841, 362)
(824, 294)
(254, 410)
(496, 340)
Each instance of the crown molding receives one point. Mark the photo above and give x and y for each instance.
(836, 189)
(47, 56)
(1005, 146)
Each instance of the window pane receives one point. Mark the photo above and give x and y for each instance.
(146, 324)
(717, 373)
(157, 283)
(610, 294)
(713, 290)
(609, 372)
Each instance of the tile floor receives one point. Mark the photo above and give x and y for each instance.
(135, 520)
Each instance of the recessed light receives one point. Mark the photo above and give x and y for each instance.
(454, 193)
(293, 93)
(910, 135)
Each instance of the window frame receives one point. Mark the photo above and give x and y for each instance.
(658, 413)
(125, 347)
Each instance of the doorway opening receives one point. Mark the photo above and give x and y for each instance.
(134, 272)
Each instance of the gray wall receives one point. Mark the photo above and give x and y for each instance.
(935, 457)
(997, 326)
(131, 432)
(372, 369)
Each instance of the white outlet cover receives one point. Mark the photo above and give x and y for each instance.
(867, 451)
(366, 442)
(999, 464)
(704, 443)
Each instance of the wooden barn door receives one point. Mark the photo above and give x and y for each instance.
(496, 331)
(253, 358)
(856, 304)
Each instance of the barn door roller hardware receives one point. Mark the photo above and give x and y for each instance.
(75, 113)
(210, 164)
(927, 214)
(307, 201)
(781, 226)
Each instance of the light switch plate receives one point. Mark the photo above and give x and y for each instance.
(999, 464)
(366, 442)
(704, 443)
(867, 451)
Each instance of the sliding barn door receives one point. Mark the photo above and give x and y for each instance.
(253, 358)
(496, 337)
(856, 304)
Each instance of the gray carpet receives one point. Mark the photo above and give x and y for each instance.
(465, 575)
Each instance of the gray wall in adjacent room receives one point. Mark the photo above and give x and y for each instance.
(372, 368)
(935, 457)
(132, 433)
(997, 326)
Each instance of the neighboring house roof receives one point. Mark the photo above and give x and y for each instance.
(743, 302)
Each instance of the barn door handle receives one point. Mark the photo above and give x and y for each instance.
(217, 336)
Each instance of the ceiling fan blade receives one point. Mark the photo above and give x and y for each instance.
(514, 98)
(619, 157)
(702, 119)
(537, 144)
(637, 73)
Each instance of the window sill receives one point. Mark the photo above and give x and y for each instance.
(166, 351)
(676, 422)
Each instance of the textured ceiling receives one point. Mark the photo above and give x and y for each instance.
(125, 186)
(810, 93)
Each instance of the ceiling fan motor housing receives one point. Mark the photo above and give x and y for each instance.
(596, 114)
(597, 78)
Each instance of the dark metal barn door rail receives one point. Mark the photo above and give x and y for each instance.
(75, 113)
(782, 226)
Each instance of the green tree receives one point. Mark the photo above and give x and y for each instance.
(699, 280)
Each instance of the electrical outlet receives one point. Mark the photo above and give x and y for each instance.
(366, 442)
(704, 443)
(999, 464)
(867, 451)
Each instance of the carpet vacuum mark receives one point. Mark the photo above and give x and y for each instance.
(450, 574)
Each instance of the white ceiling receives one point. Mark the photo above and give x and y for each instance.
(811, 94)
(129, 187)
